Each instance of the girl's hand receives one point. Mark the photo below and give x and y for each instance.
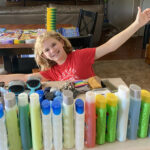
(142, 18)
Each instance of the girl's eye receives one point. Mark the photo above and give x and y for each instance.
(53, 44)
(46, 50)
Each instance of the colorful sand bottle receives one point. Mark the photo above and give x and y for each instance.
(57, 125)
(111, 119)
(68, 119)
(134, 111)
(101, 119)
(79, 124)
(123, 110)
(90, 119)
(51, 19)
(3, 132)
(24, 120)
(144, 114)
(36, 126)
(14, 138)
(47, 125)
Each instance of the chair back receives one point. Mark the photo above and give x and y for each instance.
(86, 22)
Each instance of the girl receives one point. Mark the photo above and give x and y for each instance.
(57, 61)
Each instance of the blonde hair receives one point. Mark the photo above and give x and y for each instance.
(42, 62)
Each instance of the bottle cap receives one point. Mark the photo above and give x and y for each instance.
(90, 97)
(79, 106)
(34, 99)
(41, 95)
(59, 98)
(45, 107)
(56, 106)
(145, 96)
(57, 93)
(111, 99)
(23, 99)
(123, 92)
(67, 97)
(10, 99)
(100, 101)
(135, 91)
(47, 89)
(1, 110)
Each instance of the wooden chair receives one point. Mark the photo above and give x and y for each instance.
(86, 24)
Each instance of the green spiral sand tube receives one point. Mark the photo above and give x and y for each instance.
(111, 119)
(14, 139)
(101, 119)
(144, 114)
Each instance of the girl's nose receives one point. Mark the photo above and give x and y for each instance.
(52, 50)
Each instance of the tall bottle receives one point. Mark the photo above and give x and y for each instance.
(112, 108)
(24, 120)
(144, 114)
(3, 132)
(47, 125)
(68, 119)
(14, 138)
(36, 126)
(101, 119)
(123, 110)
(90, 119)
(134, 111)
(79, 124)
(57, 125)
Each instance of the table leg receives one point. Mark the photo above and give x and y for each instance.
(7, 63)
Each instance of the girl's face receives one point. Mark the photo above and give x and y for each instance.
(53, 50)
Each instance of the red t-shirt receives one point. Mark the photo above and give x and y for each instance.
(77, 66)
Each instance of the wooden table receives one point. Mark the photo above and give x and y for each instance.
(10, 50)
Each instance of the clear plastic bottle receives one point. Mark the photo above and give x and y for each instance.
(24, 119)
(79, 124)
(3, 132)
(90, 119)
(123, 110)
(144, 114)
(57, 125)
(68, 119)
(47, 125)
(36, 124)
(101, 119)
(112, 108)
(134, 111)
(12, 125)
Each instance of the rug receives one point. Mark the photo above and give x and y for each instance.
(133, 71)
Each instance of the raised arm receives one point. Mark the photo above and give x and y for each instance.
(23, 77)
(115, 42)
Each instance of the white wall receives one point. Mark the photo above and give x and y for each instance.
(145, 4)
(2, 3)
(122, 13)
